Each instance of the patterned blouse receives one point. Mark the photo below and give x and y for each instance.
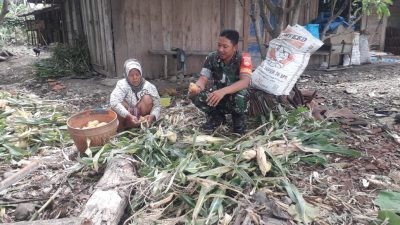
(123, 91)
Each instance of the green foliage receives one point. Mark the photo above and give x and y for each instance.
(390, 217)
(216, 169)
(27, 124)
(388, 200)
(66, 60)
(13, 26)
(381, 6)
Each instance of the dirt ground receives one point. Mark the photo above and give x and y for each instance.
(369, 92)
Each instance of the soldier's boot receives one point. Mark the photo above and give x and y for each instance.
(214, 119)
(239, 124)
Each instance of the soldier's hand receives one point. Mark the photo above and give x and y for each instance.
(215, 97)
(194, 89)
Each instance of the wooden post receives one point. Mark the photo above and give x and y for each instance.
(165, 66)
(246, 9)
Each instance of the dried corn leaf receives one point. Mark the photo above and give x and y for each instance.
(249, 154)
(263, 164)
(311, 213)
(164, 201)
(226, 220)
(3, 103)
(280, 147)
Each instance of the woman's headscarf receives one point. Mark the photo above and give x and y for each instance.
(128, 66)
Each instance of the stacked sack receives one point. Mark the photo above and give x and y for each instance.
(355, 52)
(287, 57)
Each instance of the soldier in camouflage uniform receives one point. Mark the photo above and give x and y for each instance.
(230, 70)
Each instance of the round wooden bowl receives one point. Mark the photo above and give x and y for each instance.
(98, 136)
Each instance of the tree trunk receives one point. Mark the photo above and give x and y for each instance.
(64, 221)
(332, 18)
(109, 200)
(4, 11)
(296, 12)
(107, 204)
(260, 37)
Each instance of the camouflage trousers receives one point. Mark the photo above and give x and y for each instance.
(233, 103)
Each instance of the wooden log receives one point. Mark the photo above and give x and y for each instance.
(107, 204)
(109, 200)
(2, 59)
(64, 221)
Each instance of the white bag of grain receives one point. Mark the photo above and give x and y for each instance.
(364, 49)
(287, 57)
(355, 51)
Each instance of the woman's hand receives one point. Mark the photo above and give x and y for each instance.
(215, 97)
(150, 119)
(132, 120)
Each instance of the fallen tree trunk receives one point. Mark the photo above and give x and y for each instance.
(108, 202)
(64, 221)
(2, 59)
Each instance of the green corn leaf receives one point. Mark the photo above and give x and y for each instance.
(14, 151)
(96, 159)
(388, 200)
(393, 218)
(205, 188)
(187, 199)
(215, 204)
(213, 172)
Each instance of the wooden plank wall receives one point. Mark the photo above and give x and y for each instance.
(72, 20)
(192, 25)
(376, 28)
(394, 19)
(96, 18)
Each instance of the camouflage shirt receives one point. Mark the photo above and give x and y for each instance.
(226, 74)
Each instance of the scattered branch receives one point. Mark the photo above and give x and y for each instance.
(332, 17)
(36, 214)
(19, 175)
